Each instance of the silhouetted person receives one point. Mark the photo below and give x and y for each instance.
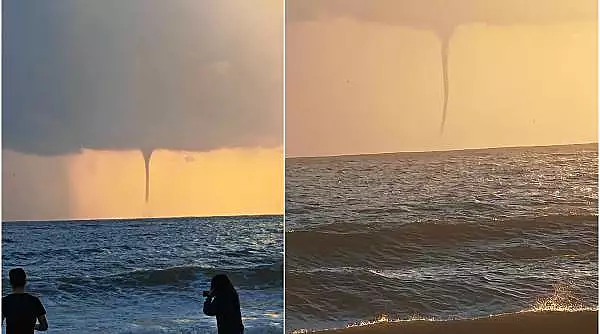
(223, 302)
(20, 309)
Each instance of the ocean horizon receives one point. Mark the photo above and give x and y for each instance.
(588, 145)
(105, 219)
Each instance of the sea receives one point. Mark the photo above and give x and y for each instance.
(440, 235)
(147, 275)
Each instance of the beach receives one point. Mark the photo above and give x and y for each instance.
(526, 322)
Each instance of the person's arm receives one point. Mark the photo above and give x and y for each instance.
(211, 306)
(40, 312)
(42, 324)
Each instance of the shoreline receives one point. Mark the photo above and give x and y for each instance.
(546, 322)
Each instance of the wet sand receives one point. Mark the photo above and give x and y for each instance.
(527, 323)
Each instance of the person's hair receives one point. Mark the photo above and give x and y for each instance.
(17, 277)
(222, 285)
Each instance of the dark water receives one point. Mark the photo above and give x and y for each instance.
(146, 276)
(440, 235)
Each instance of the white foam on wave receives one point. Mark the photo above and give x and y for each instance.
(383, 318)
(561, 300)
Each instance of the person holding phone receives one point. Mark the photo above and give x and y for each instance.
(222, 302)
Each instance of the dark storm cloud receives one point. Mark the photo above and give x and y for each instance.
(140, 74)
(443, 16)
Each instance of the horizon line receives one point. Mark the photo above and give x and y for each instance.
(140, 218)
(436, 151)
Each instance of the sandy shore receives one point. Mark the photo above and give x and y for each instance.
(527, 323)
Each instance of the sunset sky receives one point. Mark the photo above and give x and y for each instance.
(365, 76)
(87, 85)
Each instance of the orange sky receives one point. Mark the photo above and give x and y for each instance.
(88, 85)
(361, 87)
(105, 184)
